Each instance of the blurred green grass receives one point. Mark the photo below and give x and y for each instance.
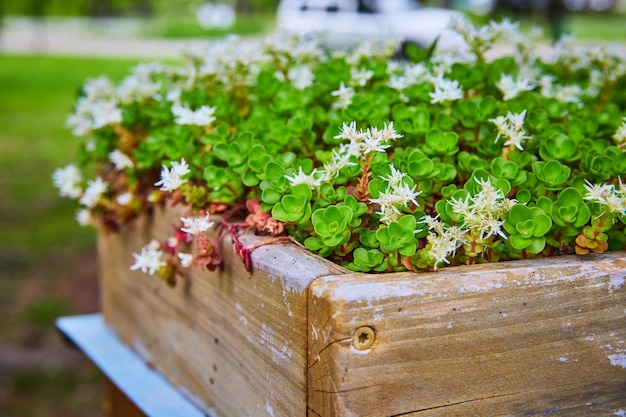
(38, 93)
(47, 261)
(597, 27)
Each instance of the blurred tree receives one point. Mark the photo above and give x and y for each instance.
(555, 12)
(37, 8)
(252, 6)
(101, 8)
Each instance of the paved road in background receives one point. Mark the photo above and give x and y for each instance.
(106, 38)
(117, 38)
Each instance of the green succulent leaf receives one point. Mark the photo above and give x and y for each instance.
(552, 173)
(570, 211)
(439, 142)
(367, 260)
(399, 236)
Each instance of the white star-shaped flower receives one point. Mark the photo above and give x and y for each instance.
(196, 225)
(172, 179)
(149, 260)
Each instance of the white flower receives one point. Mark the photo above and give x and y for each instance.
(308, 179)
(481, 39)
(462, 206)
(483, 212)
(620, 134)
(340, 159)
(362, 143)
(352, 148)
(174, 94)
(398, 82)
(172, 179)
(68, 180)
(202, 116)
(94, 191)
(180, 168)
(344, 96)
(491, 227)
(416, 73)
(546, 83)
(512, 88)
(185, 259)
(301, 77)
(388, 214)
(124, 199)
(137, 87)
(608, 195)
(90, 146)
(120, 160)
(444, 240)
(373, 143)
(512, 128)
(445, 90)
(172, 242)
(398, 194)
(393, 67)
(146, 69)
(516, 119)
(100, 88)
(442, 246)
(79, 123)
(149, 260)
(396, 176)
(91, 115)
(389, 132)
(369, 50)
(105, 113)
(569, 94)
(196, 225)
(83, 217)
(597, 192)
(563, 93)
(504, 29)
(406, 194)
(360, 76)
(348, 131)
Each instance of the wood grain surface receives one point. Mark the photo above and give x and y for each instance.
(537, 337)
(232, 340)
(300, 336)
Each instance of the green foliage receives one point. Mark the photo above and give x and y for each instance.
(552, 174)
(294, 207)
(570, 212)
(376, 164)
(398, 236)
(527, 227)
(441, 143)
(331, 224)
(367, 260)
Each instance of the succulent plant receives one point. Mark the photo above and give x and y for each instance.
(447, 157)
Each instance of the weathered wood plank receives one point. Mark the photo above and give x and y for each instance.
(520, 338)
(229, 339)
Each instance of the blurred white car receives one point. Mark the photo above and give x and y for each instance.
(341, 23)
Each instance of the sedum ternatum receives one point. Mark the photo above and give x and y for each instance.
(447, 157)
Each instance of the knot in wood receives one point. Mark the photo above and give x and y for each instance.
(363, 338)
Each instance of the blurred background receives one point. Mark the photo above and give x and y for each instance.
(48, 266)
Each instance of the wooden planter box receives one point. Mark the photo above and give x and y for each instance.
(303, 337)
